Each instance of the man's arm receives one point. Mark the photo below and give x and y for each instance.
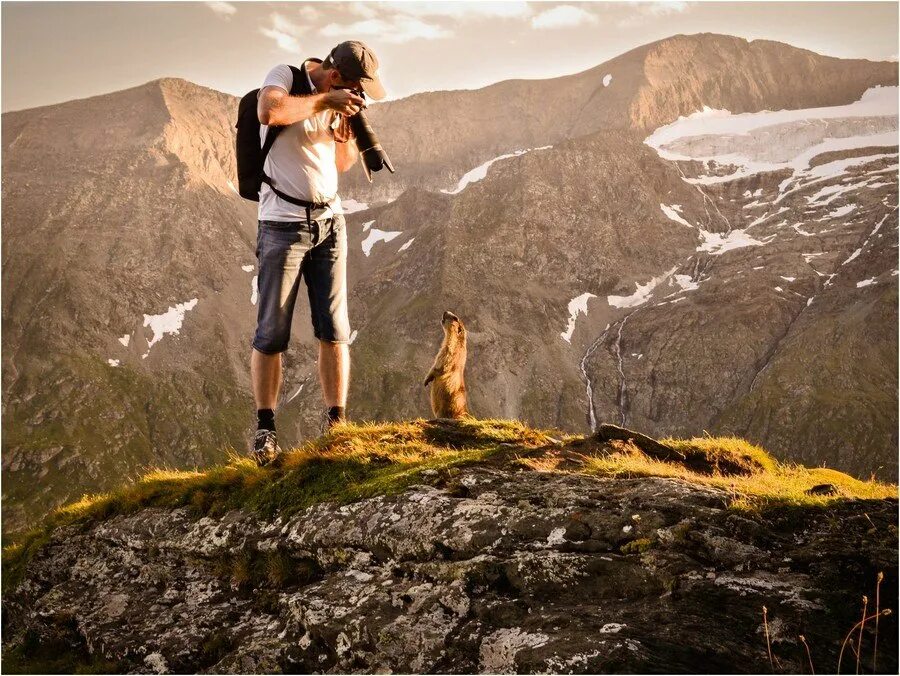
(345, 155)
(276, 107)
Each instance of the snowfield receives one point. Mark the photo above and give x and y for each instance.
(784, 139)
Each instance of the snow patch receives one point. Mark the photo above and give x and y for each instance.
(375, 236)
(642, 295)
(686, 283)
(406, 244)
(745, 141)
(865, 282)
(801, 231)
(247, 268)
(299, 389)
(125, 339)
(168, 322)
(479, 172)
(577, 306)
(352, 206)
(367, 225)
(112, 362)
(607, 79)
(672, 213)
(717, 243)
(254, 289)
(840, 212)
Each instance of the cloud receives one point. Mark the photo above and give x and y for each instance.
(367, 10)
(664, 8)
(396, 29)
(223, 9)
(308, 13)
(642, 11)
(562, 16)
(461, 10)
(285, 33)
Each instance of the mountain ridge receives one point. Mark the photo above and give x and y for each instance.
(145, 200)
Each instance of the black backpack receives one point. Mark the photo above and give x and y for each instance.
(250, 157)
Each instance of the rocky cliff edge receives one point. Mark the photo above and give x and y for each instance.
(473, 546)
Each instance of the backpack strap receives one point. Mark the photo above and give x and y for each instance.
(299, 87)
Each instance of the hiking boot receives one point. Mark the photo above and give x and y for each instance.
(265, 447)
(328, 422)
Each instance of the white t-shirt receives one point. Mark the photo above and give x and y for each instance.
(301, 162)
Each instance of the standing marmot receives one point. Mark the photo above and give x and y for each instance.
(448, 389)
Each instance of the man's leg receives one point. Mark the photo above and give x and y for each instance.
(265, 374)
(280, 251)
(334, 372)
(325, 271)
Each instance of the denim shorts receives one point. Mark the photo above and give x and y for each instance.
(315, 249)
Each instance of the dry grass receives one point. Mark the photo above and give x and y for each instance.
(777, 484)
(356, 461)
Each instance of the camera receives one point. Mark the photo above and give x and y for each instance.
(374, 157)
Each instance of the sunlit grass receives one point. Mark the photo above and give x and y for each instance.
(776, 484)
(356, 461)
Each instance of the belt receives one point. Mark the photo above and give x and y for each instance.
(296, 200)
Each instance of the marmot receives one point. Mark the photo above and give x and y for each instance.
(448, 388)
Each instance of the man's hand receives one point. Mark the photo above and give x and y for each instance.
(343, 132)
(343, 101)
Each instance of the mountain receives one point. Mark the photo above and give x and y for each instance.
(548, 214)
(435, 137)
(117, 209)
(470, 547)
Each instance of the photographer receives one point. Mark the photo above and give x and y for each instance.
(301, 224)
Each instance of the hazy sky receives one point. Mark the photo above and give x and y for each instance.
(57, 51)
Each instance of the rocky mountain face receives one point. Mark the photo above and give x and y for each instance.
(487, 570)
(435, 135)
(601, 276)
(121, 239)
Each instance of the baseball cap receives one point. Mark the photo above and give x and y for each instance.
(355, 61)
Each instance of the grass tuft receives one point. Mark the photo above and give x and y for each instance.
(356, 461)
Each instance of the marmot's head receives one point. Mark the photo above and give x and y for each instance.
(453, 326)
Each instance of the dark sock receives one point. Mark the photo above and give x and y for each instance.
(266, 417)
(336, 414)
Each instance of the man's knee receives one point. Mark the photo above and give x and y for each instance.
(333, 343)
(270, 348)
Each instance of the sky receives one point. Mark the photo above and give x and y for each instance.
(58, 51)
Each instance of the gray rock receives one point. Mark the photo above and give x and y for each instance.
(527, 572)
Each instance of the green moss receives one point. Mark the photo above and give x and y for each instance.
(638, 546)
(149, 412)
(216, 646)
(353, 462)
(64, 654)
